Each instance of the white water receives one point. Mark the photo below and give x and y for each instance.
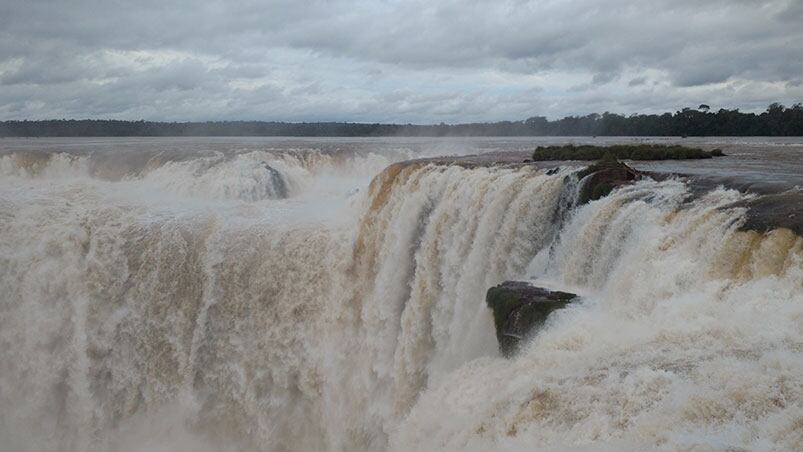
(189, 305)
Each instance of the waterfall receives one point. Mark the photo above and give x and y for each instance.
(276, 301)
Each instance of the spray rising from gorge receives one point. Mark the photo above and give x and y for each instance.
(307, 299)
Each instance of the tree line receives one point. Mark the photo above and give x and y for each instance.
(776, 120)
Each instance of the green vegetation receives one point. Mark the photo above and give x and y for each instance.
(777, 120)
(622, 151)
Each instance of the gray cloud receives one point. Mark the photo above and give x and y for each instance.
(406, 61)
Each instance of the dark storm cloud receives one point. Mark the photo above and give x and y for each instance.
(394, 60)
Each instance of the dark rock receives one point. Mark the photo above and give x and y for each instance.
(519, 308)
(768, 212)
(644, 151)
(599, 179)
(277, 181)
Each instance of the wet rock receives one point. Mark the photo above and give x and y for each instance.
(599, 179)
(644, 151)
(278, 183)
(780, 210)
(519, 308)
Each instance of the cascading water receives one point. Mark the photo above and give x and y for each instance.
(272, 301)
(688, 337)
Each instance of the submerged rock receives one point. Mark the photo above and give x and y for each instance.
(519, 308)
(599, 179)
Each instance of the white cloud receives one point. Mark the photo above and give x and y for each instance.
(400, 61)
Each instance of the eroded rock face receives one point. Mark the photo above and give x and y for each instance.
(599, 179)
(278, 182)
(519, 308)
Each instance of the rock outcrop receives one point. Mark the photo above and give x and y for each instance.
(599, 179)
(779, 210)
(643, 151)
(278, 183)
(519, 308)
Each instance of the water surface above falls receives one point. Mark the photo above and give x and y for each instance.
(774, 162)
(328, 294)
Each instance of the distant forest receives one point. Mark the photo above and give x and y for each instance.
(777, 120)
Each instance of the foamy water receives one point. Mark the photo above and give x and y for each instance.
(170, 295)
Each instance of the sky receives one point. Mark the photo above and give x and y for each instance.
(393, 61)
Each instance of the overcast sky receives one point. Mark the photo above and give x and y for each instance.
(393, 61)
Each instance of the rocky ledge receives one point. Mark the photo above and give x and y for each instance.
(600, 178)
(519, 309)
(779, 210)
(644, 151)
